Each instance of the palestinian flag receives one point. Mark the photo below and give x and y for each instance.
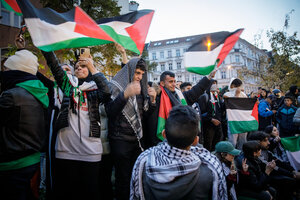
(166, 104)
(129, 30)
(11, 5)
(242, 114)
(292, 147)
(52, 31)
(209, 51)
(164, 109)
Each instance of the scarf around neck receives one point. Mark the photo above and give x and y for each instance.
(130, 110)
(27, 81)
(163, 163)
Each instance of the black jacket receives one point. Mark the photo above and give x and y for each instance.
(190, 96)
(22, 124)
(95, 97)
(119, 127)
(195, 185)
(257, 180)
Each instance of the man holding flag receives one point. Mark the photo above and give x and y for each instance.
(170, 97)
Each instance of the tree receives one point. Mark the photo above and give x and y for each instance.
(282, 66)
(105, 56)
(285, 59)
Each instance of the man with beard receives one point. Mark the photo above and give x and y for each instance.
(173, 95)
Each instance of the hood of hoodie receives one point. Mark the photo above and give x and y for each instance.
(182, 187)
(37, 89)
(232, 91)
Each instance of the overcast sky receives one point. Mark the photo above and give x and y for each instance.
(178, 18)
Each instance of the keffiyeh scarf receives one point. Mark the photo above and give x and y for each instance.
(119, 84)
(176, 162)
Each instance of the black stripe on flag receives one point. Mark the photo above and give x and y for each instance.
(45, 14)
(129, 17)
(216, 39)
(239, 103)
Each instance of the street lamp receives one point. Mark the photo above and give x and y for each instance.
(229, 69)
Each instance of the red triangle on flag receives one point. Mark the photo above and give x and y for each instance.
(87, 26)
(255, 112)
(139, 30)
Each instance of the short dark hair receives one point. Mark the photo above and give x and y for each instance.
(165, 74)
(141, 64)
(259, 88)
(258, 135)
(236, 82)
(182, 126)
(250, 147)
(269, 129)
(184, 85)
(150, 83)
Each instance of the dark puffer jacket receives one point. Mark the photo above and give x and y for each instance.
(94, 97)
(22, 124)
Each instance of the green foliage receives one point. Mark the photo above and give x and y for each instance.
(94, 8)
(285, 62)
(282, 68)
(104, 55)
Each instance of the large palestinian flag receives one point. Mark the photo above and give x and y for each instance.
(209, 51)
(52, 31)
(11, 5)
(129, 30)
(292, 147)
(242, 114)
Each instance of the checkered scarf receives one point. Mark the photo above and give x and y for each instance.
(119, 84)
(232, 189)
(164, 163)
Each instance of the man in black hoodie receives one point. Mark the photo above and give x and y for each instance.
(131, 103)
(177, 168)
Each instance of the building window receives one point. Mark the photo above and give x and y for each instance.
(155, 79)
(178, 65)
(169, 54)
(223, 75)
(170, 66)
(154, 56)
(237, 58)
(162, 67)
(187, 78)
(179, 78)
(162, 54)
(177, 52)
(9, 18)
(194, 78)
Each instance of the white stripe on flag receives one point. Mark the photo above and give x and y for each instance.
(294, 158)
(201, 58)
(44, 33)
(239, 115)
(119, 27)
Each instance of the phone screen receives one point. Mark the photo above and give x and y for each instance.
(85, 52)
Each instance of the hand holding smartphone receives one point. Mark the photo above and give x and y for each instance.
(85, 53)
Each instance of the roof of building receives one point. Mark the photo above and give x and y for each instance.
(186, 39)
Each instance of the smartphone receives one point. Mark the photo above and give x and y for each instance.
(85, 52)
(22, 30)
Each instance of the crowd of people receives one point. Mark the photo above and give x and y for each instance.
(108, 139)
